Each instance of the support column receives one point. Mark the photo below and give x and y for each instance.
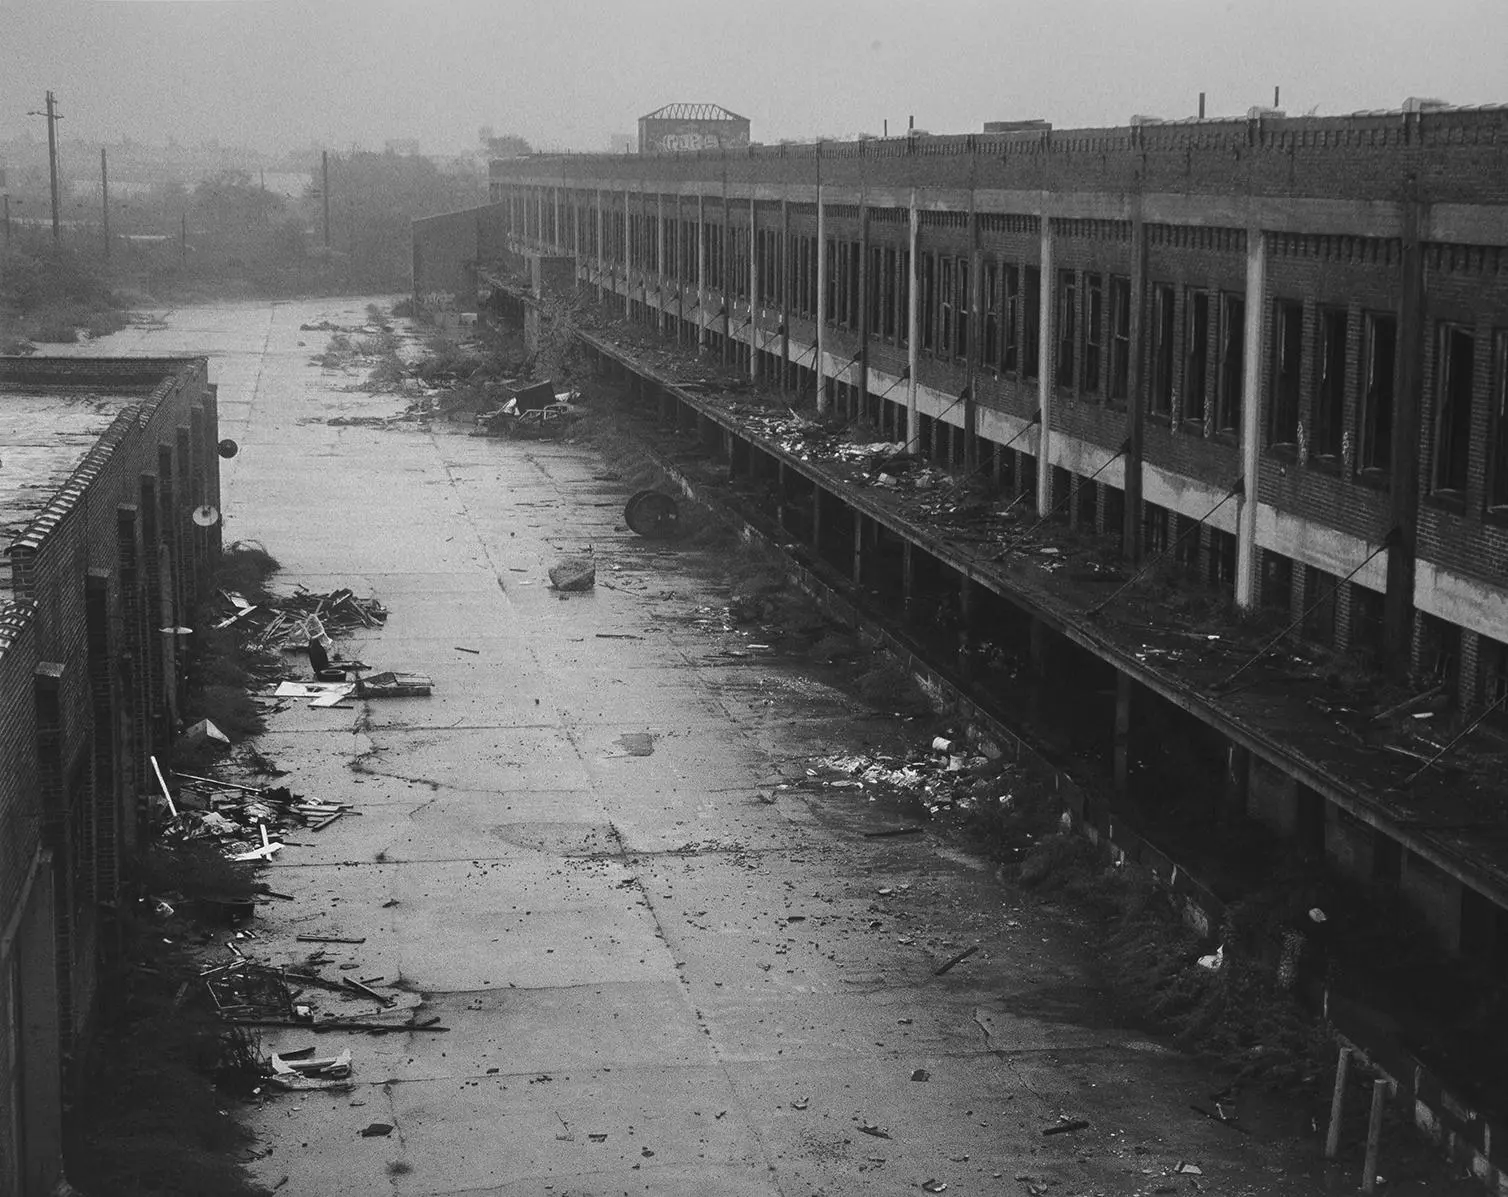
(819, 364)
(858, 547)
(976, 343)
(628, 250)
(1251, 419)
(908, 581)
(601, 242)
(754, 306)
(701, 271)
(659, 263)
(1123, 686)
(1403, 506)
(1038, 633)
(1132, 546)
(783, 288)
(1045, 295)
(913, 331)
(864, 329)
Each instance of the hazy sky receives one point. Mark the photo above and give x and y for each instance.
(569, 73)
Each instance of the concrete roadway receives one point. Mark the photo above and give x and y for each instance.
(655, 981)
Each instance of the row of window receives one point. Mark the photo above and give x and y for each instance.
(1195, 338)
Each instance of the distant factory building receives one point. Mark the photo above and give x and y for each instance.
(677, 128)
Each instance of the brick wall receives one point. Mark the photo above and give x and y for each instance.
(80, 707)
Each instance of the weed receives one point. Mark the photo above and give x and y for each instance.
(404, 307)
(150, 1120)
(245, 567)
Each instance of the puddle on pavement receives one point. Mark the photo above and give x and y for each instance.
(637, 743)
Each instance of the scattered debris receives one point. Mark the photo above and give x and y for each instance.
(921, 1074)
(1067, 1127)
(948, 964)
(376, 1130)
(394, 685)
(873, 1130)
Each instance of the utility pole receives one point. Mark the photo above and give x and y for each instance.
(104, 191)
(53, 117)
(325, 192)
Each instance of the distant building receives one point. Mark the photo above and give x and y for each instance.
(678, 128)
(406, 146)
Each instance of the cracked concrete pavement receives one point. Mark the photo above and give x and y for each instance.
(654, 979)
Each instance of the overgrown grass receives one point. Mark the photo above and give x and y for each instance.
(245, 568)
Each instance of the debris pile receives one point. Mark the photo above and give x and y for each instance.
(304, 617)
(247, 822)
(943, 776)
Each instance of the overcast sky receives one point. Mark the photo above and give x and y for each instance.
(569, 73)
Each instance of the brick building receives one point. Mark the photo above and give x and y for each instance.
(1269, 352)
(102, 462)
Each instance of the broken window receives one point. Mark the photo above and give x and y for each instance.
(1155, 524)
(991, 300)
(854, 311)
(945, 289)
(1366, 621)
(874, 285)
(1196, 356)
(887, 272)
(1222, 559)
(1287, 382)
(1232, 363)
(1094, 331)
(1330, 386)
(1319, 605)
(903, 298)
(1497, 466)
(963, 303)
(1068, 326)
(1375, 453)
(1031, 330)
(1277, 581)
(830, 310)
(928, 283)
(1456, 357)
(1120, 338)
(1161, 393)
(1010, 317)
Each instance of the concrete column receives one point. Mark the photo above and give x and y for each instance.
(908, 581)
(1136, 402)
(628, 245)
(41, 1034)
(726, 292)
(819, 361)
(976, 342)
(1045, 320)
(1122, 731)
(858, 547)
(754, 306)
(1251, 419)
(659, 261)
(783, 257)
(701, 270)
(555, 198)
(864, 330)
(913, 333)
(601, 241)
(1403, 491)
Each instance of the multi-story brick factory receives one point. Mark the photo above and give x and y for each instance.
(104, 462)
(1238, 391)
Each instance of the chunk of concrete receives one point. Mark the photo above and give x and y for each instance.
(574, 573)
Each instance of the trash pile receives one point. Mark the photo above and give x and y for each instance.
(299, 619)
(535, 410)
(943, 776)
(248, 823)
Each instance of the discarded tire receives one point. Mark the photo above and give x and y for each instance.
(652, 514)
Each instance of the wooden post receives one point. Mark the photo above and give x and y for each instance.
(1374, 1134)
(1337, 1103)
